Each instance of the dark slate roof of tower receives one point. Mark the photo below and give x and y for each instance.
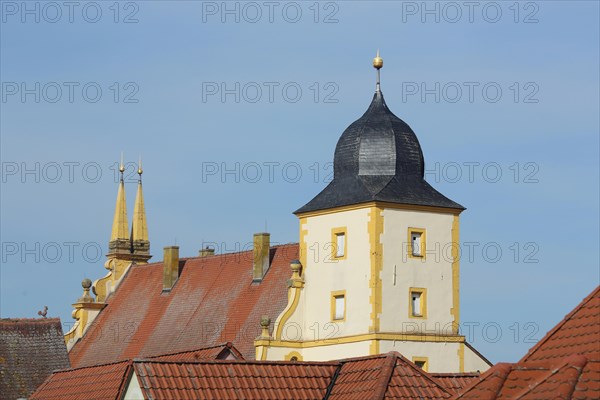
(378, 158)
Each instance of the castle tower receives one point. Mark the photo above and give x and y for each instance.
(378, 258)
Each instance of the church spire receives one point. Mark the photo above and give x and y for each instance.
(140, 245)
(120, 229)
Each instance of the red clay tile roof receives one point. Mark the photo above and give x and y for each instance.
(565, 364)
(577, 333)
(235, 379)
(385, 376)
(30, 349)
(214, 301)
(454, 382)
(219, 352)
(101, 382)
(574, 377)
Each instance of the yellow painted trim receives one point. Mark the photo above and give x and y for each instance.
(288, 356)
(399, 337)
(293, 299)
(375, 229)
(303, 233)
(455, 310)
(334, 233)
(381, 204)
(263, 355)
(334, 294)
(461, 357)
(423, 305)
(424, 360)
(423, 243)
(374, 347)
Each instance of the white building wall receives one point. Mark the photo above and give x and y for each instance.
(400, 272)
(441, 356)
(323, 275)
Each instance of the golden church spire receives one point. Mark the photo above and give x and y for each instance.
(140, 245)
(120, 229)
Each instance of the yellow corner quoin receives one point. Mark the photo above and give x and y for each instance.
(375, 229)
(461, 357)
(334, 295)
(455, 311)
(335, 232)
(422, 312)
(422, 361)
(302, 244)
(423, 243)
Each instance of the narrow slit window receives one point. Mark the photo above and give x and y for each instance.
(340, 307)
(416, 243)
(340, 244)
(416, 304)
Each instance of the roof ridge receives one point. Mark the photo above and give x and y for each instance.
(17, 320)
(423, 373)
(501, 370)
(566, 318)
(273, 246)
(334, 363)
(225, 344)
(125, 361)
(389, 365)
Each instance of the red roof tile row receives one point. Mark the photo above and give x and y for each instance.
(565, 364)
(575, 377)
(99, 382)
(386, 376)
(577, 333)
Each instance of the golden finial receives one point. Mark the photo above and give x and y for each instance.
(122, 165)
(377, 61)
(378, 64)
(140, 170)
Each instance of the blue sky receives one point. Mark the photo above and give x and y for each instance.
(500, 88)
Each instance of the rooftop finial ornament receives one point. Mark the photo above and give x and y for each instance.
(140, 171)
(378, 64)
(121, 166)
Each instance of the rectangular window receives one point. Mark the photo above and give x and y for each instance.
(417, 303)
(339, 243)
(421, 362)
(416, 243)
(338, 305)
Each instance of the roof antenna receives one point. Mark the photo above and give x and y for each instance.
(378, 64)
(266, 230)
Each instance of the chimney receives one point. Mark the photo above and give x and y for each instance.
(205, 252)
(260, 257)
(170, 267)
